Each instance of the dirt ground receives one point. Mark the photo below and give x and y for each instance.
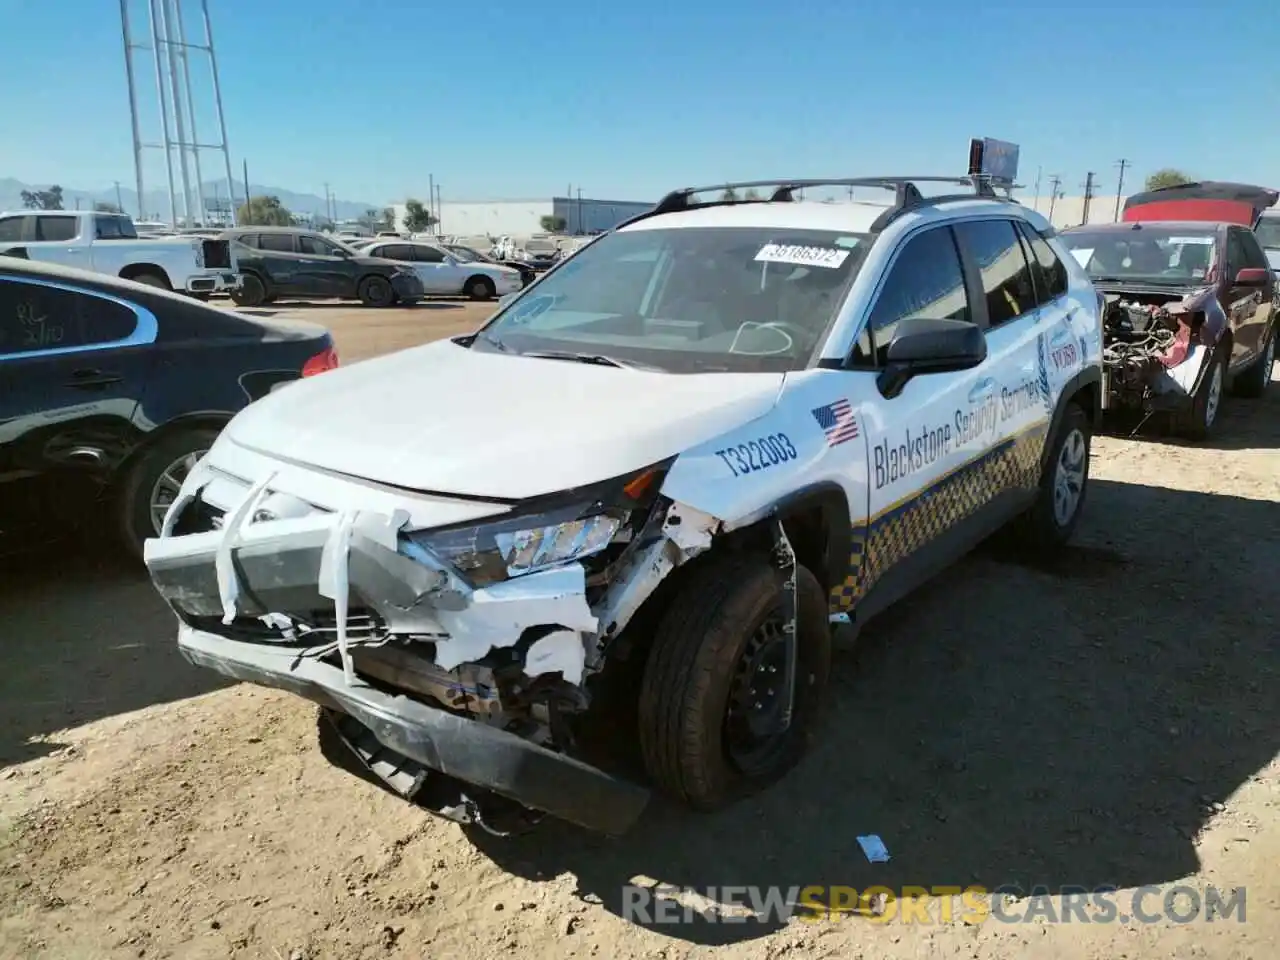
(1114, 720)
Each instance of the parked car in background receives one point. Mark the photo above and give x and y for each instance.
(304, 264)
(1216, 201)
(112, 390)
(1191, 310)
(109, 243)
(471, 255)
(445, 274)
(1268, 231)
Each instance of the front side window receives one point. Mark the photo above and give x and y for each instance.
(1006, 275)
(1144, 253)
(36, 317)
(728, 299)
(925, 282)
(424, 254)
(316, 247)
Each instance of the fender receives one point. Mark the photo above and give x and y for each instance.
(829, 497)
(1078, 382)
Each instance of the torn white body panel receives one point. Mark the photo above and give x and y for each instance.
(1184, 377)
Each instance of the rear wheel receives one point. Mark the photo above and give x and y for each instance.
(251, 292)
(376, 292)
(1253, 382)
(711, 696)
(152, 279)
(480, 288)
(200, 295)
(153, 482)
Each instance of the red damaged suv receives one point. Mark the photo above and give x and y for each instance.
(1192, 303)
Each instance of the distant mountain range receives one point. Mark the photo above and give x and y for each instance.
(157, 201)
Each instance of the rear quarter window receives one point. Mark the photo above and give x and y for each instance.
(36, 317)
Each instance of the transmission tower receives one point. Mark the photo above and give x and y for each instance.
(180, 108)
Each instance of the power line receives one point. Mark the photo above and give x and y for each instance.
(1122, 164)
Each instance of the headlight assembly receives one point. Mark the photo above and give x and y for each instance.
(576, 528)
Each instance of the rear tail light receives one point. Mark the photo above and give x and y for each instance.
(326, 359)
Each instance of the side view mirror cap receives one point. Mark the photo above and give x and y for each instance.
(923, 346)
(1252, 276)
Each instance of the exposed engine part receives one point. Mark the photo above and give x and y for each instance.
(1139, 340)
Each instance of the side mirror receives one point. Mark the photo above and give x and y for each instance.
(1251, 277)
(930, 346)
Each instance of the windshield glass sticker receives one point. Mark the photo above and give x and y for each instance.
(1202, 241)
(759, 454)
(1082, 254)
(847, 242)
(802, 256)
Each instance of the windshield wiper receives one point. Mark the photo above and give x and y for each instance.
(598, 359)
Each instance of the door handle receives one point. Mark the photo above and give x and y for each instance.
(91, 379)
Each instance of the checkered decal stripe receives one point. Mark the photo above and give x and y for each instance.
(906, 527)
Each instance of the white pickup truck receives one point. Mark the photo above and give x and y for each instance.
(109, 243)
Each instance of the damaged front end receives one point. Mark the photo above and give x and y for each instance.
(1156, 347)
(454, 660)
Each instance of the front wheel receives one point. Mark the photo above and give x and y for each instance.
(1199, 422)
(480, 288)
(153, 482)
(711, 695)
(376, 292)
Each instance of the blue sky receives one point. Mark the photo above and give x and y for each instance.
(512, 98)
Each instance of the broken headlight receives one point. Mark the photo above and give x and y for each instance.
(573, 528)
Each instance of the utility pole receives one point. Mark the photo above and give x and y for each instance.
(119, 201)
(431, 200)
(1088, 197)
(133, 104)
(580, 230)
(439, 213)
(248, 207)
(327, 206)
(1122, 164)
(1036, 204)
(1055, 181)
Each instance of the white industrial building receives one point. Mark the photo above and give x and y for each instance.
(521, 218)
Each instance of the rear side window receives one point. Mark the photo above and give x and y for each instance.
(35, 317)
(1006, 275)
(276, 242)
(427, 255)
(1050, 273)
(55, 229)
(925, 282)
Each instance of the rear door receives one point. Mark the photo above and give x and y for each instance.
(281, 260)
(52, 238)
(1249, 308)
(73, 363)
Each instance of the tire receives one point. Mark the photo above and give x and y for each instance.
(1253, 383)
(480, 288)
(692, 676)
(375, 291)
(1049, 523)
(202, 296)
(151, 279)
(143, 481)
(1199, 422)
(251, 293)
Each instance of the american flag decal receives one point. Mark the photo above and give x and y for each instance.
(837, 421)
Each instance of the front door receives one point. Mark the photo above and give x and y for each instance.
(1249, 308)
(925, 446)
(439, 273)
(324, 267)
(280, 259)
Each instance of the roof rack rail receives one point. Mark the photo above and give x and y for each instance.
(907, 195)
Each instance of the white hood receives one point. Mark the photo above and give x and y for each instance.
(446, 419)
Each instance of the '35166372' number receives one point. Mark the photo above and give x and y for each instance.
(759, 454)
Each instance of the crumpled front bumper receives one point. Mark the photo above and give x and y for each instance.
(459, 747)
(353, 565)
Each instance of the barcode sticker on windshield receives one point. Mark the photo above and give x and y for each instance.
(1202, 241)
(802, 256)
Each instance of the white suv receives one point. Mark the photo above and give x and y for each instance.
(669, 467)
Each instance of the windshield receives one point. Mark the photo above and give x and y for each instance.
(1269, 232)
(1148, 254)
(540, 246)
(731, 299)
(465, 254)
